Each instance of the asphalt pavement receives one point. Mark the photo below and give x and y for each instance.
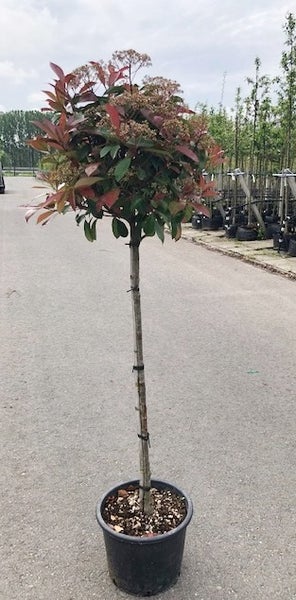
(219, 345)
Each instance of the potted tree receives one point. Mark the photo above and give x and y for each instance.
(133, 152)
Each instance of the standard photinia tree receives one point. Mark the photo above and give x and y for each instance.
(134, 152)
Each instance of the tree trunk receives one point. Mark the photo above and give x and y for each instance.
(138, 369)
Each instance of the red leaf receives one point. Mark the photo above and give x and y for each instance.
(45, 216)
(49, 94)
(53, 198)
(100, 72)
(87, 192)
(86, 182)
(47, 126)
(114, 116)
(188, 152)
(60, 89)
(108, 199)
(56, 133)
(30, 213)
(71, 199)
(87, 97)
(201, 209)
(53, 105)
(69, 78)
(91, 169)
(156, 120)
(207, 188)
(185, 109)
(57, 70)
(38, 144)
(176, 206)
(53, 144)
(216, 156)
(115, 75)
(86, 86)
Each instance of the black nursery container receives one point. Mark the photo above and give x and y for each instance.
(144, 566)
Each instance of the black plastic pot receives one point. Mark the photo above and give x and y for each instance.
(196, 222)
(276, 240)
(272, 229)
(214, 223)
(281, 241)
(230, 231)
(292, 247)
(245, 234)
(144, 566)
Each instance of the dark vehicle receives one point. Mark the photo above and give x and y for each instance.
(2, 184)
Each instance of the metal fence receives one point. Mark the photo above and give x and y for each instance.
(20, 171)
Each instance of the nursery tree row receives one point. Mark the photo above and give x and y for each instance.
(16, 128)
(259, 133)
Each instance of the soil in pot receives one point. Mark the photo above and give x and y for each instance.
(148, 561)
(122, 512)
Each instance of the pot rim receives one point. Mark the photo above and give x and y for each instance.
(144, 540)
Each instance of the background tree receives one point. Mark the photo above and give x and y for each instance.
(286, 109)
(16, 128)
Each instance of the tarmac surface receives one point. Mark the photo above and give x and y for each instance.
(68, 430)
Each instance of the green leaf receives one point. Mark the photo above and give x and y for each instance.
(93, 230)
(119, 228)
(175, 207)
(123, 230)
(188, 212)
(159, 229)
(105, 150)
(79, 218)
(136, 202)
(114, 89)
(149, 225)
(110, 149)
(176, 230)
(98, 214)
(82, 152)
(122, 167)
(114, 150)
(139, 142)
(156, 151)
(86, 182)
(115, 229)
(88, 232)
(165, 217)
(141, 174)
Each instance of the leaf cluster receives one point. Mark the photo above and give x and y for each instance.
(134, 152)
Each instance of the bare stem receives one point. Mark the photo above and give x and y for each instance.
(138, 368)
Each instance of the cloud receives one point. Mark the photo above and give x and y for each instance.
(16, 75)
(26, 29)
(36, 100)
(191, 41)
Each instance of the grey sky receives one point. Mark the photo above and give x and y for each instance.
(192, 41)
